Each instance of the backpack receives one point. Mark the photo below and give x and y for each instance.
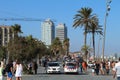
(3, 72)
(7, 68)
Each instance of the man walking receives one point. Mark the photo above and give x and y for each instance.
(35, 67)
(116, 70)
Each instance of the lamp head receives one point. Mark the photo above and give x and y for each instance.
(108, 7)
(110, 1)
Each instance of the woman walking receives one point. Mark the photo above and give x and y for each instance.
(9, 70)
(1, 72)
(18, 71)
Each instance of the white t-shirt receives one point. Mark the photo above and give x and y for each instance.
(2, 64)
(117, 69)
(19, 69)
(1, 76)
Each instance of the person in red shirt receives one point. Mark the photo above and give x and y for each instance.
(84, 65)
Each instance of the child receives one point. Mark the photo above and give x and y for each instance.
(1, 72)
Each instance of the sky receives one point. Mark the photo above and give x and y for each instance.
(63, 11)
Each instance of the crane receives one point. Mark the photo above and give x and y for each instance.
(23, 19)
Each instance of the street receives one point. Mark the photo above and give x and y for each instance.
(81, 76)
(66, 77)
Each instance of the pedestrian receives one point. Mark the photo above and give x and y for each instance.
(80, 67)
(1, 72)
(93, 68)
(97, 68)
(84, 65)
(112, 66)
(30, 65)
(14, 65)
(18, 70)
(2, 63)
(35, 67)
(9, 70)
(116, 70)
(107, 68)
(101, 68)
(104, 68)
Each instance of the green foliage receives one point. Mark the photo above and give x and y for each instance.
(84, 18)
(3, 52)
(16, 28)
(66, 45)
(25, 48)
(56, 46)
(86, 50)
(89, 22)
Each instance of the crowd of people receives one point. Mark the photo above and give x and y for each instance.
(103, 67)
(15, 68)
(11, 69)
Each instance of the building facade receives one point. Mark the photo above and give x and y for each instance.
(61, 32)
(5, 35)
(47, 32)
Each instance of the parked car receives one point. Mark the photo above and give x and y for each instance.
(53, 67)
(71, 67)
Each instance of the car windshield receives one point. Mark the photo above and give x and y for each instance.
(89, 62)
(71, 64)
(53, 64)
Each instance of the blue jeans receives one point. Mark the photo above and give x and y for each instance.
(118, 78)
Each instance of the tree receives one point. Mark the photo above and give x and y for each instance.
(95, 28)
(56, 46)
(25, 48)
(3, 51)
(84, 19)
(35, 48)
(87, 50)
(16, 28)
(66, 45)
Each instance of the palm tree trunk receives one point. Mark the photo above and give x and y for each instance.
(85, 42)
(85, 38)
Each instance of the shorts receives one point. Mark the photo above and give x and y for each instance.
(9, 75)
(93, 70)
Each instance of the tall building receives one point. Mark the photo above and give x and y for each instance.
(5, 34)
(61, 32)
(47, 32)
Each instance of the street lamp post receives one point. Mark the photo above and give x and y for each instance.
(99, 46)
(105, 21)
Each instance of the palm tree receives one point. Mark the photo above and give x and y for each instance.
(56, 46)
(66, 45)
(95, 28)
(84, 19)
(16, 28)
(87, 50)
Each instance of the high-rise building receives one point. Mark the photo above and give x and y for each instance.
(47, 32)
(5, 34)
(61, 32)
